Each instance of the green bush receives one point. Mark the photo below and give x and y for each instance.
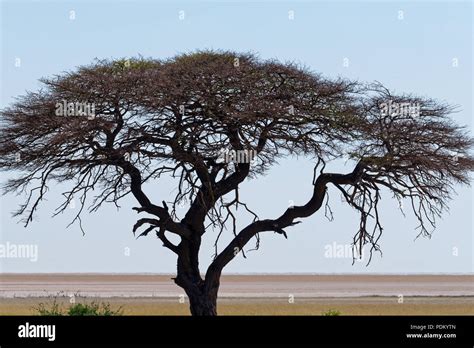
(331, 313)
(77, 309)
(93, 308)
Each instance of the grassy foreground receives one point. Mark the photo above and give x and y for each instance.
(267, 306)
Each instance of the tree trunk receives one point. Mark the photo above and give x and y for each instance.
(202, 294)
(202, 302)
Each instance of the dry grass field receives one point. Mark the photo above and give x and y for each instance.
(266, 306)
(248, 294)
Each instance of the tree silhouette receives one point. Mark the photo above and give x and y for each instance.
(212, 120)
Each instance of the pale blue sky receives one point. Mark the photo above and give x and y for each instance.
(408, 51)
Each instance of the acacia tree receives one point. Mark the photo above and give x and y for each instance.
(153, 118)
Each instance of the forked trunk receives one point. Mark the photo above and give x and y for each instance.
(202, 303)
(202, 294)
